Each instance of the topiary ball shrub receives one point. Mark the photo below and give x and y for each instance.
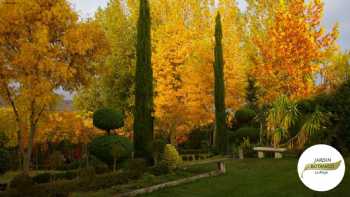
(22, 183)
(171, 157)
(4, 160)
(247, 132)
(101, 147)
(108, 119)
(244, 116)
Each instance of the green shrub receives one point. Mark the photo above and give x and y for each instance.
(171, 157)
(4, 160)
(42, 178)
(247, 132)
(63, 188)
(245, 116)
(22, 182)
(198, 138)
(247, 147)
(160, 169)
(47, 177)
(87, 174)
(101, 147)
(100, 166)
(74, 165)
(158, 146)
(108, 119)
(68, 175)
(137, 167)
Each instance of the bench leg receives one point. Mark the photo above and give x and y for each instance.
(261, 155)
(278, 155)
(221, 167)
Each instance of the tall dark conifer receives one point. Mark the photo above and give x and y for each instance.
(220, 115)
(143, 118)
(252, 93)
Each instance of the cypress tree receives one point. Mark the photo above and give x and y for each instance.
(143, 119)
(220, 115)
(252, 93)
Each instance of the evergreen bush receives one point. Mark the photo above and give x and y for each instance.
(101, 148)
(108, 119)
(171, 157)
(245, 116)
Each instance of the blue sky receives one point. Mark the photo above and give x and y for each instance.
(335, 11)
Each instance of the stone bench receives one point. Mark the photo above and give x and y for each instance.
(261, 151)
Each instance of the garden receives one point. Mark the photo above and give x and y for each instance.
(168, 98)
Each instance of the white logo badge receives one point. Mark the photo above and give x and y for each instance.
(321, 168)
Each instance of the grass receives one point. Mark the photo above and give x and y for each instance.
(254, 177)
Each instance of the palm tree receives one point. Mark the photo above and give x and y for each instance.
(283, 115)
(312, 124)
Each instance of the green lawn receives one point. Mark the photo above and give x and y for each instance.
(256, 178)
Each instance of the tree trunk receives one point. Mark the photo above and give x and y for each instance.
(261, 133)
(20, 148)
(27, 158)
(86, 154)
(155, 159)
(173, 135)
(114, 164)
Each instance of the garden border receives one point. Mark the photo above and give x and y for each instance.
(220, 170)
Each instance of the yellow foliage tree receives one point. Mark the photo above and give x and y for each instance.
(183, 62)
(43, 47)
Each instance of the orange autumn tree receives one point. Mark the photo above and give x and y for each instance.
(43, 46)
(291, 49)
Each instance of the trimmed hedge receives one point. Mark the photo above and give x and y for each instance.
(63, 188)
(248, 132)
(245, 116)
(47, 177)
(101, 148)
(108, 119)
